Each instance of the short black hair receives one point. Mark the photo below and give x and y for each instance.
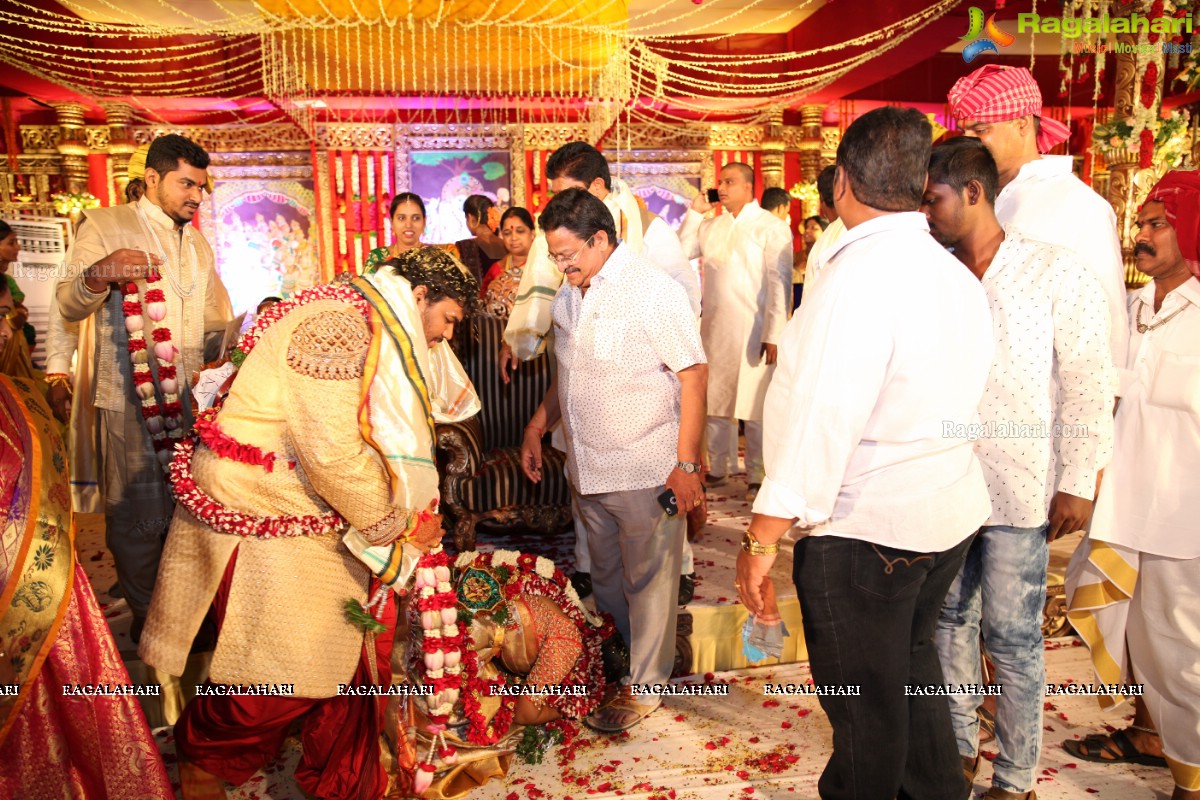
(519, 213)
(580, 213)
(406, 197)
(166, 152)
(5, 230)
(774, 197)
(958, 161)
(747, 172)
(477, 206)
(270, 299)
(825, 185)
(884, 154)
(824, 223)
(581, 162)
(440, 273)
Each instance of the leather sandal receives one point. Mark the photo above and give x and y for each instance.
(624, 703)
(1111, 748)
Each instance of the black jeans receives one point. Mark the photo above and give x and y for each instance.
(869, 617)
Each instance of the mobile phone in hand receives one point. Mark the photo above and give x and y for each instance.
(713, 197)
(667, 501)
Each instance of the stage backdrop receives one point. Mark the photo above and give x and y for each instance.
(446, 178)
(263, 232)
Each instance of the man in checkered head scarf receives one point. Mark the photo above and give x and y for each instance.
(1003, 107)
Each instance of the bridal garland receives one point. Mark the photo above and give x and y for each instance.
(449, 664)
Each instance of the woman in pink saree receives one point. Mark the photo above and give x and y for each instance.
(57, 740)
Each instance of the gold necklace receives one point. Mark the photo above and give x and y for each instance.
(1143, 328)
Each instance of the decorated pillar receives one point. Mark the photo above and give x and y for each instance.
(120, 142)
(1128, 140)
(810, 141)
(772, 150)
(72, 146)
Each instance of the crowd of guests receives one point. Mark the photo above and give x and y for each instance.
(945, 296)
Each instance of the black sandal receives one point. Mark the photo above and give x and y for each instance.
(1117, 744)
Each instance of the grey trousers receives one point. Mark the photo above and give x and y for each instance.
(137, 503)
(636, 551)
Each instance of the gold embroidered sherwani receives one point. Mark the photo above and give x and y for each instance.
(137, 502)
(297, 395)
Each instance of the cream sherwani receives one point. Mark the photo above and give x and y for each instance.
(137, 504)
(747, 290)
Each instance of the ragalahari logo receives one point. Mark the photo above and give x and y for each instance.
(984, 38)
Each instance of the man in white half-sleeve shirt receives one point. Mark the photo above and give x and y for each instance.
(747, 263)
(630, 393)
(895, 343)
(578, 165)
(1051, 329)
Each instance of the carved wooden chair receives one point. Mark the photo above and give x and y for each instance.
(480, 460)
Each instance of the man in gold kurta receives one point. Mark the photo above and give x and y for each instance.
(116, 246)
(328, 425)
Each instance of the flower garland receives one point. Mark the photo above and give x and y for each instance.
(442, 661)
(225, 446)
(333, 291)
(163, 422)
(221, 518)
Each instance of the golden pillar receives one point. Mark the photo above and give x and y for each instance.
(72, 145)
(810, 142)
(772, 150)
(120, 142)
(1128, 184)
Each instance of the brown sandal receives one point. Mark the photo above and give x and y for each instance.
(623, 703)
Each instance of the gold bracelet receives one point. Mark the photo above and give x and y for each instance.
(756, 548)
(58, 379)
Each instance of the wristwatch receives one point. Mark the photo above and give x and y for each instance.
(756, 548)
(688, 467)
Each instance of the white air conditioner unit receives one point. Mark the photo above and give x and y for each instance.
(44, 244)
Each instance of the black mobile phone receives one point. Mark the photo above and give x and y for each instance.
(667, 501)
(713, 197)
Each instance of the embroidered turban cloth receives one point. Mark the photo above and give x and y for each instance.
(997, 94)
(1179, 191)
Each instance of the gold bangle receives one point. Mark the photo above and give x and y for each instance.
(58, 379)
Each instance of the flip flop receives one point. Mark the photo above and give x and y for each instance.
(623, 701)
(1116, 744)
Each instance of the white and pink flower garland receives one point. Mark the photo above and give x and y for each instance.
(443, 645)
(164, 422)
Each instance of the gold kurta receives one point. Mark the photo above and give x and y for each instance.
(297, 395)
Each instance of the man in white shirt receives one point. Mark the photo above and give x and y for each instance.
(1135, 578)
(871, 369)
(832, 233)
(1051, 329)
(630, 394)
(1039, 194)
(747, 263)
(578, 165)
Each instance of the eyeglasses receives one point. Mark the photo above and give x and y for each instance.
(569, 261)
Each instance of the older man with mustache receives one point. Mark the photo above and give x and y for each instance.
(1132, 585)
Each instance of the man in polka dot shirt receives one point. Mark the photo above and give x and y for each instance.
(1040, 449)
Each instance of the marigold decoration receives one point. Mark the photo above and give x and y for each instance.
(493, 218)
(163, 421)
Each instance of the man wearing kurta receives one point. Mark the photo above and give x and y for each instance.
(139, 245)
(329, 423)
(747, 289)
(1134, 580)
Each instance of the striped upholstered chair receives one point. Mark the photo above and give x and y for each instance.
(480, 459)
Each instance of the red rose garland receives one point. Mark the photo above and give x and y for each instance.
(164, 422)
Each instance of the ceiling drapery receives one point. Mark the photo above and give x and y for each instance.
(591, 60)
